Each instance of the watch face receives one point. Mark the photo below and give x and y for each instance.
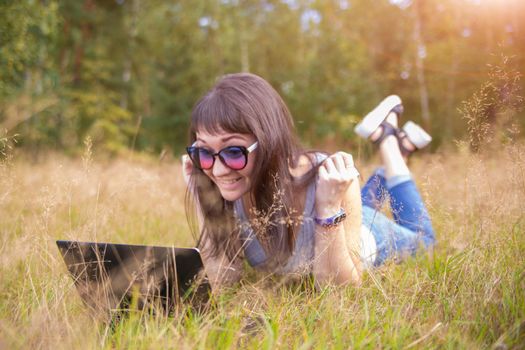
(332, 221)
(340, 218)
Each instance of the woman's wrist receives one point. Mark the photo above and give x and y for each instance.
(331, 221)
(326, 211)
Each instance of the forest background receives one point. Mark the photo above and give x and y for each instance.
(126, 73)
(96, 95)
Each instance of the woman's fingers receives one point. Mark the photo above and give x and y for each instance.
(348, 159)
(336, 174)
(330, 166)
(323, 173)
(349, 165)
(341, 164)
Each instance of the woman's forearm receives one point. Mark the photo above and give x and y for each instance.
(337, 257)
(220, 270)
(333, 262)
(352, 224)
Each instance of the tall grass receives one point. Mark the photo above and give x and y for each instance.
(470, 294)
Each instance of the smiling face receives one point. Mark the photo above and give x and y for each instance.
(239, 110)
(232, 184)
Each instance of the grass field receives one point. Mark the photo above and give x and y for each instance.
(470, 294)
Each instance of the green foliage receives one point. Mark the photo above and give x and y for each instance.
(128, 72)
(26, 29)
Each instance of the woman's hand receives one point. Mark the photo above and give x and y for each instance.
(335, 176)
(336, 256)
(187, 168)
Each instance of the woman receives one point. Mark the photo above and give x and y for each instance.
(259, 196)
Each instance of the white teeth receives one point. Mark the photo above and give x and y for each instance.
(227, 182)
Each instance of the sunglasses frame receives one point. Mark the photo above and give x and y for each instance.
(245, 151)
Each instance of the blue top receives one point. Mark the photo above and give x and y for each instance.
(301, 260)
(303, 254)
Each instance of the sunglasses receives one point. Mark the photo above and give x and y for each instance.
(234, 157)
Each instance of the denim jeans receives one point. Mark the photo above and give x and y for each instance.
(411, 226)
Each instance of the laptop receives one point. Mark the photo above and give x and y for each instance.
(116, 278)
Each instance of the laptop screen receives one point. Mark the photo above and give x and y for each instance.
(117, 277)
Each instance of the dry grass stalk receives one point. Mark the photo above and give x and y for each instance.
(472, 285)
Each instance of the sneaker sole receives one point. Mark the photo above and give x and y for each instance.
(419, 137)
(373, 119)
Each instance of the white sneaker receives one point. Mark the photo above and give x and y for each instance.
(415, 134)
(373, 119)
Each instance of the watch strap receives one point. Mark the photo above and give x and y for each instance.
(332, 220)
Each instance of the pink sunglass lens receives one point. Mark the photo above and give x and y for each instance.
(236, 163)
(234, 158)
(205, 159)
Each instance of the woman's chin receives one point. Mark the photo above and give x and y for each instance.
(233, 191)
(231, 195)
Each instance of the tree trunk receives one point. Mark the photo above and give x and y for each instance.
(128, 62)
(79, 50)
(420, 67)
(452, 78)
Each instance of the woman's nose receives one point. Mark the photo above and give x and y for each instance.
(219, 169)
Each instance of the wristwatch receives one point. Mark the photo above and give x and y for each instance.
(332, 220)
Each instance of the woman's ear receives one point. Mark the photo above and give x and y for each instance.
(187, 168)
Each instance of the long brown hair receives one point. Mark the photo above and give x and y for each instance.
(245, 103)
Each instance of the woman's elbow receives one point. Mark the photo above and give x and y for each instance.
(353, 278)
(338, 278)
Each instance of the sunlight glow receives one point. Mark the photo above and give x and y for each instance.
(490, 2)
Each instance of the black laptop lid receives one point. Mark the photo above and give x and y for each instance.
(113, 276)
